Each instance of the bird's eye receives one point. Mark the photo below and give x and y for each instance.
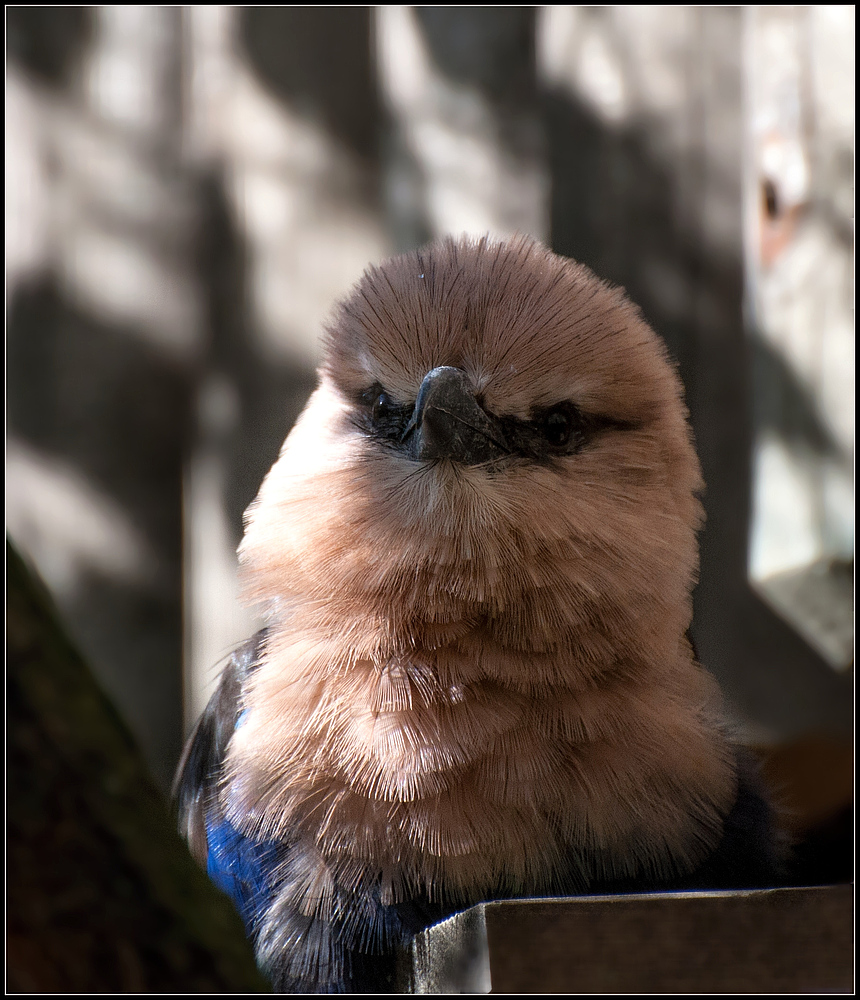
(383, 406)
(380, 403)
(557, 426)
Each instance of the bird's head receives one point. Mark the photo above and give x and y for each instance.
(497, 434)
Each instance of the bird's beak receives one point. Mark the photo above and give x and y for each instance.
(448, 422)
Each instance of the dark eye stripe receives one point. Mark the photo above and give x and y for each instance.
(552, 432)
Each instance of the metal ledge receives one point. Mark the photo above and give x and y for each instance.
(762, 941)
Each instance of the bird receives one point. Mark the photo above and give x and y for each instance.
(474, 556)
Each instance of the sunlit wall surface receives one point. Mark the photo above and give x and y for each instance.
(800, 203)
(190, 188)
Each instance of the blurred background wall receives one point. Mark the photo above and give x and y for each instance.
(190, 188)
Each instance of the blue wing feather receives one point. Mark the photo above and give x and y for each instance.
(242, 868)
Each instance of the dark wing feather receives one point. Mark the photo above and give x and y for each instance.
(753, 852)
(195, 790)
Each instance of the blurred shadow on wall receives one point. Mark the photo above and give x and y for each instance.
(322, 64)
(103, 419)
(97, 415)
(466, 151)
(47, 45)
(319, 62)
(643, 218)
(490, 50)
(316, 62)
(249, 427)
